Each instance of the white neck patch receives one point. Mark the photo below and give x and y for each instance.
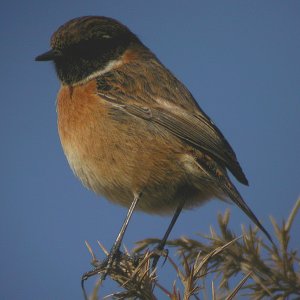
(112, 64)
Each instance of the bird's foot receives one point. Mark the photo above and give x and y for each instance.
(157, 253)
(104, 267)
(115, 265)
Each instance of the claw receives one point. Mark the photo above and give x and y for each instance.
(158, 252)
(102, 268)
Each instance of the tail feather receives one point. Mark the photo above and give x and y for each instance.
(235, 196)
(220, 175)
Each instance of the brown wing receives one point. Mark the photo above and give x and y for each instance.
(194, 129)
(155, 95)
(200, 132)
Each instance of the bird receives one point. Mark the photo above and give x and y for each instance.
(131, 131)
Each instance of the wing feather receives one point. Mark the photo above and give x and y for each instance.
(169, 105)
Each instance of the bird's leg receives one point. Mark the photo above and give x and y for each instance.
(115, 250)
(162, 243)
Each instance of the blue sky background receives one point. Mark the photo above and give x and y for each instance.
(240, 59)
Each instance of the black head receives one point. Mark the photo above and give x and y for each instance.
(85, 45)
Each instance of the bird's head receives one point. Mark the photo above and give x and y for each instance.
(86, 45)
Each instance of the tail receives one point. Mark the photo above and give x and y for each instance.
(235, 196)
(220, 175)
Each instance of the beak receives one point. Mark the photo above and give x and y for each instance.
(49, 55)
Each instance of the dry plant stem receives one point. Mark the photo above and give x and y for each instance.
(132, 273)
(213, 293)
(292, 215)
(274, 270)
(238, 287)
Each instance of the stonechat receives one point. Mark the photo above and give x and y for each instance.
(131, 131)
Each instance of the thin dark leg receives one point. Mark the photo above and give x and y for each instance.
(117, 244)
(162, 243)
(115, 248)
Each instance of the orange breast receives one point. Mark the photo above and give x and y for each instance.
(83, 129)
(111, 157)
(118, 157)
